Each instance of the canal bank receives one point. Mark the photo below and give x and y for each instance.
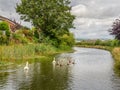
(21, 53)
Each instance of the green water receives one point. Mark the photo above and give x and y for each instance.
(93, 70)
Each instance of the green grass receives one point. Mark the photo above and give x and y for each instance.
(16, 52)
(11, 54)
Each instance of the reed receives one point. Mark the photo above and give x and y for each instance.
(16, 52)
(27, 51)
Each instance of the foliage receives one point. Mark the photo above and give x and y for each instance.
(97, 42)
(15, 52)
(19, 38)
(116, 56)
(25, 34)
(16, 36)
(67, 40)
(36, 33)
(116, 29)
(52, 18)
(111, 43)
(1, 33)
(5, 27)
(3, 40)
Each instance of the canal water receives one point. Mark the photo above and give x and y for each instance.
(84, 69)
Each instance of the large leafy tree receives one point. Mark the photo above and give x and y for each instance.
(116, 29)
(52, 18)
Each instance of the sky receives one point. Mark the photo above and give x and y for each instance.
(93, 17)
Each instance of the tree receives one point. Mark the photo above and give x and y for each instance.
(5, 27)
(52, 18)
(116, 29)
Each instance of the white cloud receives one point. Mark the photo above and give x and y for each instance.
(7, 9)
(79, 10)
(93, 17)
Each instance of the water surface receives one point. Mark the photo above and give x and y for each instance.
(93, 70)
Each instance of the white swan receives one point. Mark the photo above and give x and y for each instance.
(54, 62)
(26, 67)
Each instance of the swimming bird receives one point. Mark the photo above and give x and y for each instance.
(57, 63)
(67, 63)
(26, 67)
(73, 62)
(54, 62)
(61, 63)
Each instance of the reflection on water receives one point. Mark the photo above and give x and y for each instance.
(93, 70)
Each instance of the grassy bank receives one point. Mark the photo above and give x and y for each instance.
(115, 51)
(28, 51)
(116, 56)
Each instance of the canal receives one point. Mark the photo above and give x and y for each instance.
(84, 69)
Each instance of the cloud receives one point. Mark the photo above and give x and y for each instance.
(79, 10)
(7, 9)
(93, 17)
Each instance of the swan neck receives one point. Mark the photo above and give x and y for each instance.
(27, 64)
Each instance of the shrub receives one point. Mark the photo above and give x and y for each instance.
(19, 38)
(5, 27)
(3, 40)
(27, 33)
(67, 39)
(97, 42)
(16, 36)
(36, 34)
(24, 40)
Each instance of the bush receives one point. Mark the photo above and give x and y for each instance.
(67, 39)
(97, 42)
(16, 36)
(24, 40)
(36, 34)
(0, 33)
(3, 40)
(44, 49)
(27, 33)
(19, 38)
(40, 48)
(5, 27)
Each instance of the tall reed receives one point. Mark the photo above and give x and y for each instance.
(25, 51)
